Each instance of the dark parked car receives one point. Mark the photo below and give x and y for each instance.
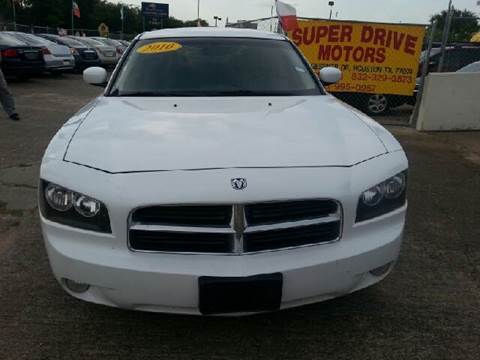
(456, 57)
(84, 56)
(19, 59)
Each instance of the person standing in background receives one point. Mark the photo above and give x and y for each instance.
(6, 97)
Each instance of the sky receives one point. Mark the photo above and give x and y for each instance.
(405, 11)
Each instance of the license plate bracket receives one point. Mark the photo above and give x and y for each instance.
(224, 295)
(31, 55)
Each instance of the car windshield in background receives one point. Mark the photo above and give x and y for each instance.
(71, 42)
(30, 40)
(214, 67)
(109, 42)
(90, 42)
(433, 52)
(9, 40)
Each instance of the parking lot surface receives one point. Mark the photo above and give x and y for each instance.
(429, 307)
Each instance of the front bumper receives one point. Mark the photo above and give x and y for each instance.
(169, 282)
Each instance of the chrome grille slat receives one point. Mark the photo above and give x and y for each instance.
(313, 219)
(293, 224)
(188, 229)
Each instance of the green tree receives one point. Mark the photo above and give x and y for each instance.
(464, 25)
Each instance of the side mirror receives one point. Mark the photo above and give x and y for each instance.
(95, 76)
(330, 75)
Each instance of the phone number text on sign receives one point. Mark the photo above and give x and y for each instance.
(374, 58)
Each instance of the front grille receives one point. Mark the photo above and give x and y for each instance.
(184, 215)
(275, 212)
(292, 237)
(180, 241)
(234, 229)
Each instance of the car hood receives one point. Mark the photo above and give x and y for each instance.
(133, 134)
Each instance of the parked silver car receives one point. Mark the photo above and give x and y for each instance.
(107, 54)
(112, 42)
(58, 58)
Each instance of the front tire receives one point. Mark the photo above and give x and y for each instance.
(376, 104)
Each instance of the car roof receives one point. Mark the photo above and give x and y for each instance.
(210, 32)
(475, 65)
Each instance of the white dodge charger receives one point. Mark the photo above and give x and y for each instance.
(215, 175)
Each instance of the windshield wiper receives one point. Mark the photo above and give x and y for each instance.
(116, 92)
(249, 93)
(157, 93)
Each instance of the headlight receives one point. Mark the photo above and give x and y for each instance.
(70, 208)
(86, 206)
(383, 198)
(59, 199)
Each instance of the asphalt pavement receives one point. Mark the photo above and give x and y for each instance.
(428, 308)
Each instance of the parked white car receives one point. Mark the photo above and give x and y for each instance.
(58, 58)
(216, 176)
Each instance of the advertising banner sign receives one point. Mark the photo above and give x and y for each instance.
(374, 58)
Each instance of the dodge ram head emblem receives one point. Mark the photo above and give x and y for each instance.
(239, 183)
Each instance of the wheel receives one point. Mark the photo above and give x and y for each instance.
(377, 104)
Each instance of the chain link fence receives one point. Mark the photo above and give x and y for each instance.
(35, 29)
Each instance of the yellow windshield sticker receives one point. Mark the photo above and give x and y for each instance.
(159, 47)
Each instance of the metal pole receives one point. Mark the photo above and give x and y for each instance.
(122, 13)
(426, 61)
(446, 33)
(71, 12)
(331, 4)
(14, 16)
(271, 20)
(198, 14)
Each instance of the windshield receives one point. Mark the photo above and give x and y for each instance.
(214, 67)
(109, 42)
(70, 42)
(433, 52)
(89, 41)
(29, 39)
